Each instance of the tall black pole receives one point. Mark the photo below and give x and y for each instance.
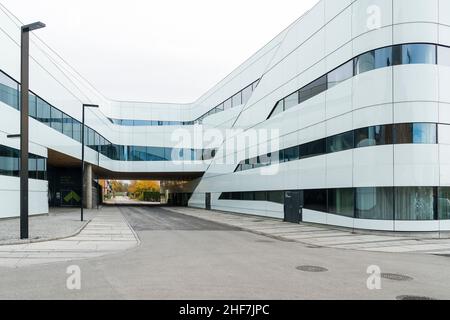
(24, 133)
(82, 166)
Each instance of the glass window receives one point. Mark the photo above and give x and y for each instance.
(291, 101)
(275, 196)
(291, 154)
(237, 99)
(225, 196)
(227, 104)
(32, 112)
(365, 62)
(236, 196)
(341, 202)
(444, 203)
(424, 133)
(261, 196)
(246, 94)
(43, 112)
(374, 136)
(157, 154)
(138, 153)
(313, 148)
(248, 196)
(90, 138)
(41, 168)
(415, 54)
(444, 56)
(9, 91)
(76, 130)
(67, 125)
(375, 203)
(56, 116)
(383, 58)
(9, 161)
(315, 200)
(279, 108)
(340, 74)
(32, 166)
(420, 133)
(313, 89)
(414, 204)
(340, 142)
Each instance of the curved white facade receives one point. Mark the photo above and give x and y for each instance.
(395, 183)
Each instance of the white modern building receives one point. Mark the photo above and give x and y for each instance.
(342, 119)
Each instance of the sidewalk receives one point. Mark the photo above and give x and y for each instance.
(108, 232)
(323, 236)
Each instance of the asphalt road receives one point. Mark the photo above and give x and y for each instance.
(181, 257)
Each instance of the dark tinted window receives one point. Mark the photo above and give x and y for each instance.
(313, 89)
(374, 136)
(341, 202)
(312, 149)
(261, 196)
(315, 200)
(248, 196)
(340, 142)
(275, 196)
(291, 154)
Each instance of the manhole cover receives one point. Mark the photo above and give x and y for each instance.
(312, 269)
(409, 297)
(396, 277)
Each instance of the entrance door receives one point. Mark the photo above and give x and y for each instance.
(293, 206)
(208, 201)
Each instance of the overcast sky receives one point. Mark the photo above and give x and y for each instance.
(165, 50)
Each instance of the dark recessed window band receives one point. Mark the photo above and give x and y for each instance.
(237, 99)
(10, 164)
(402, 133)
(414, 53)
(54, 118)
(372, 203)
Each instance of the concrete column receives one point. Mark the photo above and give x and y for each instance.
(87, 192)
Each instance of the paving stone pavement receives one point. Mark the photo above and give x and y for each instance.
(107, 233)
(324, 236)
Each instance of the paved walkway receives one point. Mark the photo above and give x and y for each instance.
(107, 233)
(323, 236)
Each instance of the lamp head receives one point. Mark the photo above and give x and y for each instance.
(33, 26)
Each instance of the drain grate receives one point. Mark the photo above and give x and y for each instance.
(314, 247)
(410, 298)
(312, 269)
(396, 277)
(258, 220)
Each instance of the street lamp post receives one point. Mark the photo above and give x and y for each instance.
(82, 156)
(24, 124)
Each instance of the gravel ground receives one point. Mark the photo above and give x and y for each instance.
(60, 223)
